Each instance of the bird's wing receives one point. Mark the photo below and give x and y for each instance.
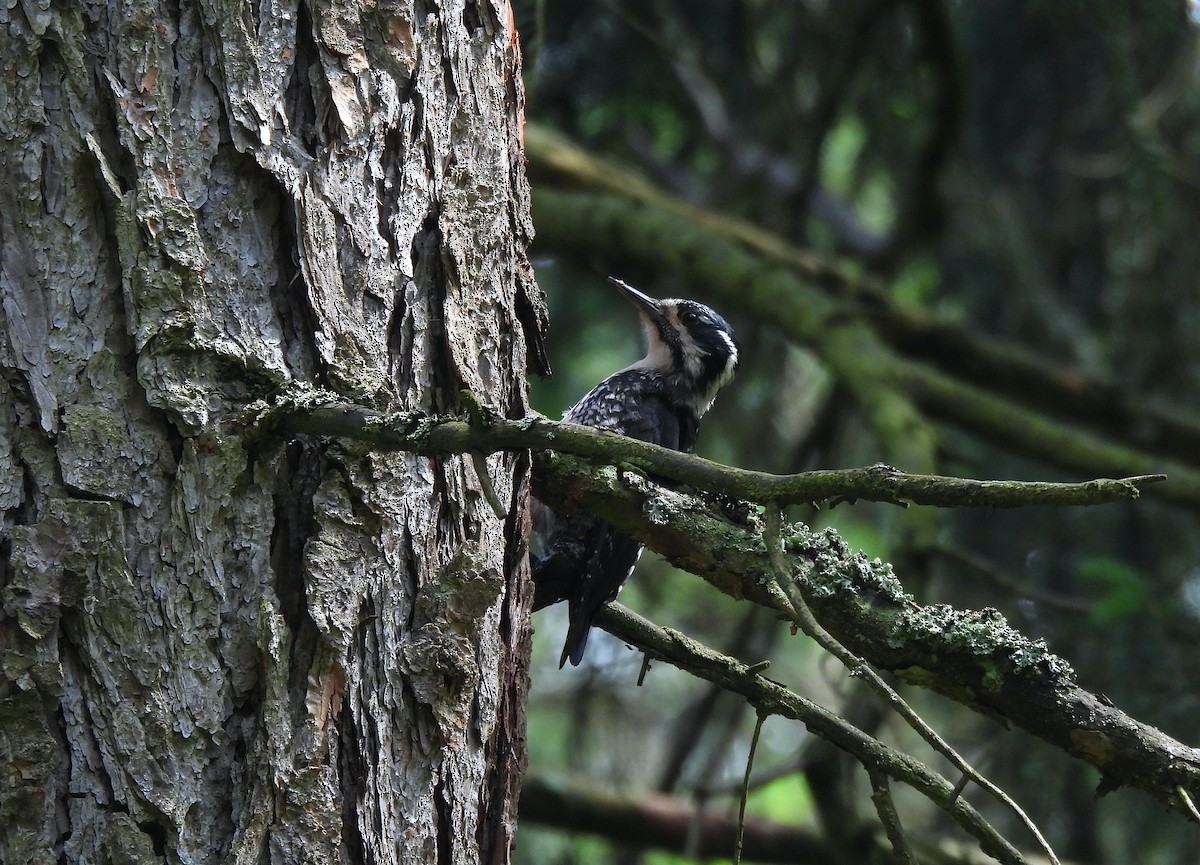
(659, 423)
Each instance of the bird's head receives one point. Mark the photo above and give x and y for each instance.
(688, 343)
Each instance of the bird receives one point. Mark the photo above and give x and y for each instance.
(691, 353)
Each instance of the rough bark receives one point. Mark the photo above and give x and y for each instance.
(218, 649)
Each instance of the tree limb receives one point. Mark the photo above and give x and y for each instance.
(770, 697)
(895, 395)
(314, 412)
(974, 657)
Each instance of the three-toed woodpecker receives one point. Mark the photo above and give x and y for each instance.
(691, 354)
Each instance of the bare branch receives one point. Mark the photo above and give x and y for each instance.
(323, 414)
(772, 698)
(885, 807)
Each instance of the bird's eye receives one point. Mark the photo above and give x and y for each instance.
(689, 317)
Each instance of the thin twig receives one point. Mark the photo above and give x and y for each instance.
(741, 827)
(641, 679)
(1188, 804)
(963, 781)
(885, 807)
(766, 695)
(794, 606)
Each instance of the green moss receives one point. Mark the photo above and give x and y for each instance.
(657, 511)
(985, 635)
(831, 571)
(830, 567)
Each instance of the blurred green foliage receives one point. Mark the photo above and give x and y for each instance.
(1123, 592)
(1026, 169)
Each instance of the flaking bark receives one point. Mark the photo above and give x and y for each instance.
(217, 649)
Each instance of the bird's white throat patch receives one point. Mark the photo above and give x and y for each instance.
(678, 355)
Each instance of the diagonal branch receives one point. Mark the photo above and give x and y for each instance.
(701, 240)
(790, 601)
(881, 795)
(772, 698)
(896, 396)
(973, 657)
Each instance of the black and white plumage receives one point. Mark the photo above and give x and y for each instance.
(691, 354)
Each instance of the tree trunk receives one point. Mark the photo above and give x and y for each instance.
(215, 645)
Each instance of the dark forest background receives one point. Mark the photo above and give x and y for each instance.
(1005, 198)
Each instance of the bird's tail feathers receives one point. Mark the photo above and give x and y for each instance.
(577, 637)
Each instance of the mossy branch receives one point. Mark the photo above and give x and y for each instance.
(321, 414)
(896, 395)
(974, 657)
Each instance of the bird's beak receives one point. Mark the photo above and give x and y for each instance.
(644, 303)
